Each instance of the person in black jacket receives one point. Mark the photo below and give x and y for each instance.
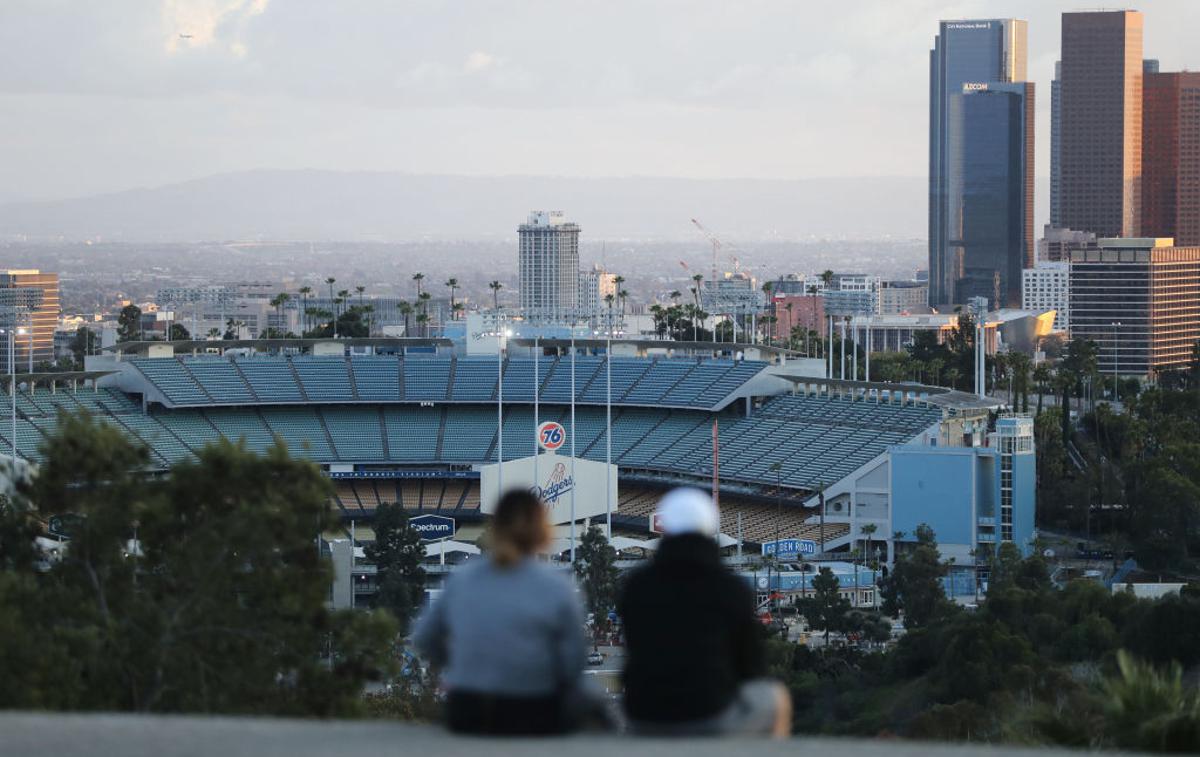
(695, 649)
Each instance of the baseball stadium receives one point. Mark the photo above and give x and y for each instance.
(420, 423)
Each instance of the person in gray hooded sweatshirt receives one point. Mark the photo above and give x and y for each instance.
(508, 633)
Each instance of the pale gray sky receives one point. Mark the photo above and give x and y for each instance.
(100, 96)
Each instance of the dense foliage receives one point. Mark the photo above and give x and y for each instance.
(596, 570)
(1078, 666)
(397, 552)
(201, 591)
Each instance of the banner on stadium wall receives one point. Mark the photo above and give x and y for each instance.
(404, 474)
(554, 485)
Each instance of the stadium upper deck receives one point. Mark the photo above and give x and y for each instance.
(655, 382)
(436, 412)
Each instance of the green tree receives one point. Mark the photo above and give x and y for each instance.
(129, 323)
(201, 591)
(596, 569)
(826, 609)
(86, 342)
(178, 332)
(914, 586)
(397, 553)
(1151, 710)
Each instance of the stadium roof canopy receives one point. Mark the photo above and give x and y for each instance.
(939, 396)
(52, 378)
(196, 345)
(654, 344)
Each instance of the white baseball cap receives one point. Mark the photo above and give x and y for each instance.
(688, 511)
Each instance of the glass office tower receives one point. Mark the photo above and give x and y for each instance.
(976, 52)
(1100, 117)
(989, 147)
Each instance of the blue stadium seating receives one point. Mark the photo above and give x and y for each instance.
(426, 379)
(474, 380)
(324, 379)
(173, 380)
(412, 432)
(673, 382)
(376, 378)
(271, 379)
(301, 429)
(220, 378)
(356, 432)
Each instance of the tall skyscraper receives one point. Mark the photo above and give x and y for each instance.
(1056, 147)
(1171, 157)
(549, 267)
(980, 162)
(1101, 122)
(29, 299)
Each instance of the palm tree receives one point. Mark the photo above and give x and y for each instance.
(418, 277)
(456, 309)
(214, 332)
(675, 295)
(277, 302)
(1041, 377)
(659, 316)
(624, 295)
(608, 300)
(453, 284)
(617, 282)
(827, 277)
(360, 289)
(406, 310)
(305, 291)
(868, 530)
(423, 301)
(768, 289)
(698, 278)
(422, 320)
(496, 286)
(331, 281)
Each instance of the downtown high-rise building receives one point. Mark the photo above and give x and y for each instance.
(980, 162)
(1171, 157)
(1100, 121)
(1138, 300)
(1056, 147)
(548, 266)
(29, 302)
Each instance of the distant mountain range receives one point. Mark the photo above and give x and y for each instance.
(337, 205)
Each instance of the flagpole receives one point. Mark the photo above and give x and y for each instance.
(499, 411)
(536, 419)
(608, 435)
(573, 479)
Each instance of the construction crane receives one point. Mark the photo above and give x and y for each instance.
(715, 241)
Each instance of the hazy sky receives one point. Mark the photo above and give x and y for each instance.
(99, 96)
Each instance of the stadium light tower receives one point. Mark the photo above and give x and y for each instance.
(12, 389)
(978, 306)
(608, 434)
(574, 323)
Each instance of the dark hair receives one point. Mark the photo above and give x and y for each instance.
(519, 527)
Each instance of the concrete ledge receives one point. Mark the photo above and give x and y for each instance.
(72, 735)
